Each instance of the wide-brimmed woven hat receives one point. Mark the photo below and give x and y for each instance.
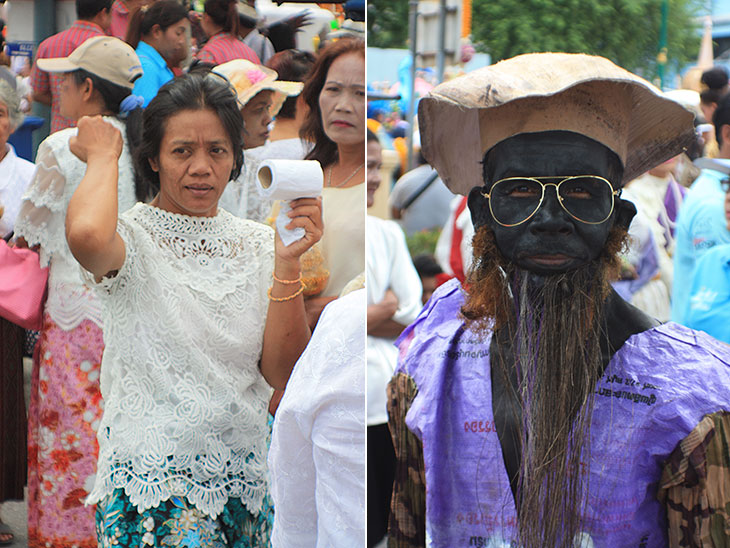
(462, 119)
(104, 56)
(249, 79)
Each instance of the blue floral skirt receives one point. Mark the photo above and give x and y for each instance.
(176, 522)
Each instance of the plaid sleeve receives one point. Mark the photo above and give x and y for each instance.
(695, 486)
(205, 56)
(39, 80)
(407, 527)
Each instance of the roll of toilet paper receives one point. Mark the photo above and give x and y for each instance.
(287, 180)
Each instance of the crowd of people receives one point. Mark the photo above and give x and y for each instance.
(539, 377)
(174, 313)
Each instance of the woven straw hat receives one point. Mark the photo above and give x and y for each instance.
(249, 78)
(462, 119)
(105, 56)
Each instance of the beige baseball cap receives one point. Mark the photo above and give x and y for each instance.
(103, 56)
(460, 120)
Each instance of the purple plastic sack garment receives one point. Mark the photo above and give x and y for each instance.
(655, 390)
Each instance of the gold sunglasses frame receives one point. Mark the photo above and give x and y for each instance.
(563, 178)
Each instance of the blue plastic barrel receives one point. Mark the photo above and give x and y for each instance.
(22, 139)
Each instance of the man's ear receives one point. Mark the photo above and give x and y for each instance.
(479, 208)
(624, 213)
(156, 30)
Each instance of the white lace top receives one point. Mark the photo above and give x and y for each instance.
(42, 218)
(185, 404)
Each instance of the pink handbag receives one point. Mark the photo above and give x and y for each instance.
(22, 286)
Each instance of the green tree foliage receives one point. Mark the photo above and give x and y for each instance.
(625, 31)
(387, 23)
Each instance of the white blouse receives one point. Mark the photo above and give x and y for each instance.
(42, 217)
(15, 174)
(317, 455)
(185, 405)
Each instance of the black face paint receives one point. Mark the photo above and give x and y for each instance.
(551, 241)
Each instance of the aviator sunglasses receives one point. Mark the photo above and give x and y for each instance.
(587, 198)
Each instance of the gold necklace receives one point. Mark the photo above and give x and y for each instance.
(343, 183)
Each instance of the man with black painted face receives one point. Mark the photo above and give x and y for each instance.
(534, 407)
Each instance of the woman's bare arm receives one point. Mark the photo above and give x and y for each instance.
(91, 219)
(286, 333)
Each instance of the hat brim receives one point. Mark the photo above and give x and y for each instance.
(282, 89)
(57, 64)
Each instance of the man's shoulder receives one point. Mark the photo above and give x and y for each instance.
(46, 45)
(119, 7)
(435, 327)
(707, 181)
(445, 303)
(678, 349)
(63, 43)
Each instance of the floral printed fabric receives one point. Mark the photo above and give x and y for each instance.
(65, 409)
(176, 522)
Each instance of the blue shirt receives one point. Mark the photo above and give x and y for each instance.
(701, 226)
(156, 72)
(708, 307)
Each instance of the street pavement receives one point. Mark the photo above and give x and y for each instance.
(15, 514)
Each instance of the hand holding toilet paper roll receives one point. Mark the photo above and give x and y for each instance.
(287, 180)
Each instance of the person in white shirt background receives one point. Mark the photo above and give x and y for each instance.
(317, 454)
(15, 172)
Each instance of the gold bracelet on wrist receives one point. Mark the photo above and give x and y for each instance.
(287, 282)
(284, 299)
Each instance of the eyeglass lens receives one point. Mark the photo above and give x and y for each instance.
(588, 199)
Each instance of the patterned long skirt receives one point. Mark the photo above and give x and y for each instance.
(177, 523)
(65, 409)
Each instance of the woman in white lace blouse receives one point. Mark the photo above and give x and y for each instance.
(193, 344)
(65, 403)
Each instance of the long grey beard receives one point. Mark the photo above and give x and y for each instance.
(555, 335)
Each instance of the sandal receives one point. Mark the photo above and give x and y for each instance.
(5, 531)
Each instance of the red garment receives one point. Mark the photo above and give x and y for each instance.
(456, 261)
(60, 45)
(120, 20)
(224, 47)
